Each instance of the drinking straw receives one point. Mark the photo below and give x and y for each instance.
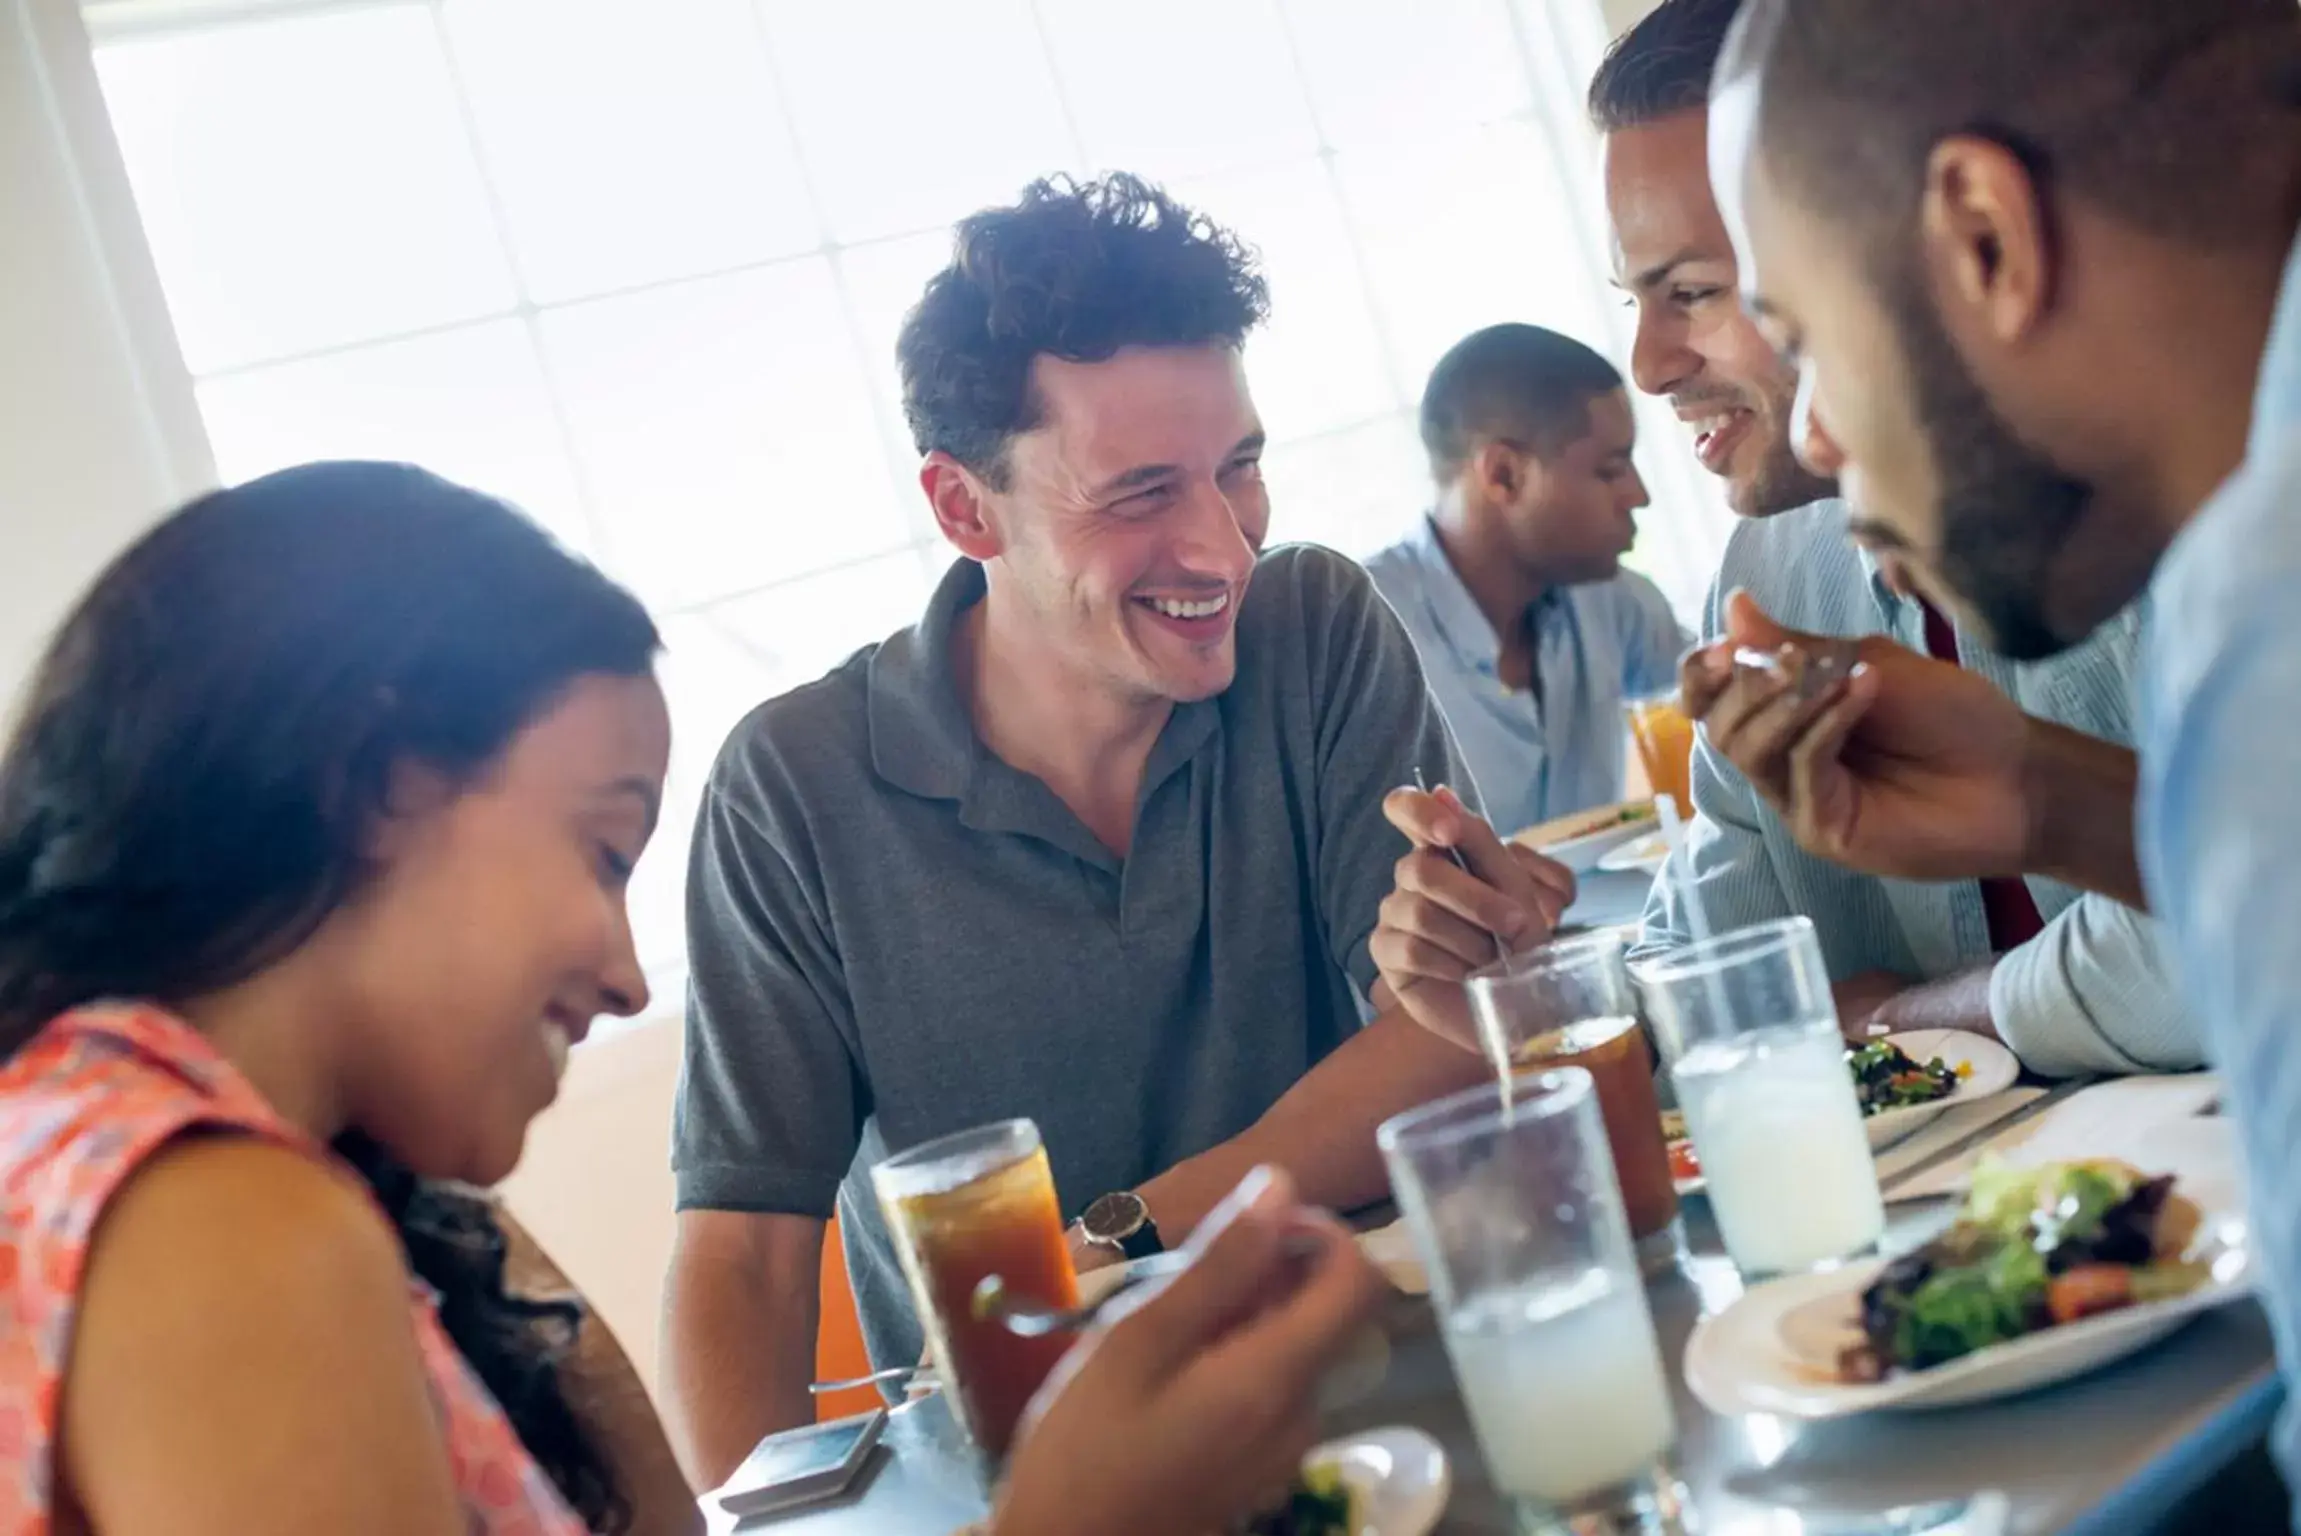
(1674, 836)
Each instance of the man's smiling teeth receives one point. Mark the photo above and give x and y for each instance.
(1175, 608)
(1716, 423)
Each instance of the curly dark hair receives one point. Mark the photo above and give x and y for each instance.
(1071, 270)
(205, 751)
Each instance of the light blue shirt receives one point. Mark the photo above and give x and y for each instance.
(1595, 645)
(2220, 814)
(2090, 994)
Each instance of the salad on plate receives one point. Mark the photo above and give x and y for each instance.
(2033, 1249)
(1319, 1504)
(1888, 1077)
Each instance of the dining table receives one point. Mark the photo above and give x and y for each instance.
(2107, 1453)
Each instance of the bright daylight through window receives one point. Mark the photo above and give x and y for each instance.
(637, 265)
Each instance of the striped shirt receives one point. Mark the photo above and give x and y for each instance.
(2090, 994)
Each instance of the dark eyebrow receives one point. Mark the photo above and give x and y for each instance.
(649, 801)
(1135, 479)
(1151, 474)
(1662, 269)
(1875, 534)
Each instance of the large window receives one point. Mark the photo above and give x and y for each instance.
(637, 265)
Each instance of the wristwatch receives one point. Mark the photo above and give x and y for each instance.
(1123, 1223)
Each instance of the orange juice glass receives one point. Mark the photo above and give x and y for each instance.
(1665, 740)
(961, 1208)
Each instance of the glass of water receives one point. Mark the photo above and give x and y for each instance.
(1509, 1193)
(1750, 1031)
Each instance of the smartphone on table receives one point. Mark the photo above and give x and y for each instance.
(801, 1466)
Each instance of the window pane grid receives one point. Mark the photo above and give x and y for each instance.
(679, 354)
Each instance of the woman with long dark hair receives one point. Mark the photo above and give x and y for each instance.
(315, 829)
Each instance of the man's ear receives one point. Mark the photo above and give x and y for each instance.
(1499, 474)
(1987, 238)
(961, 503)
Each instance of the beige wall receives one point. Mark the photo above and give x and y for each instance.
(595, 1185)
(1621, 15)
(99, 435)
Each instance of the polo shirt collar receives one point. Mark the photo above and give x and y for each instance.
(921, 738)
(924, 742)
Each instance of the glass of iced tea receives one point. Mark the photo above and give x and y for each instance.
(1665, 741)
(1570, 1004)
(963, 1207)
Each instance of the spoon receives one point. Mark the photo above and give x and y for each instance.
(1809, 668)
(921, 1378)
(1032, 1320)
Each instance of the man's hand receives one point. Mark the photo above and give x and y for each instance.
(1860, 999)
(1196, 1405)
(1441, 922)
(1909, 767)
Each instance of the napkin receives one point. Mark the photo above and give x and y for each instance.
(2158, 1124)
(1391, 1250)
(1947, 1130)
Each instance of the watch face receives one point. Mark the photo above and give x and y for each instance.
(1114, 1218)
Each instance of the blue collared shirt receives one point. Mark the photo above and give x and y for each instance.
(2090, 994)
(2220, 837)
(1595, 645)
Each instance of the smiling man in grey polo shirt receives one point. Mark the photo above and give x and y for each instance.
(1098, 841)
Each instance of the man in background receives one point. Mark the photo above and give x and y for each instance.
(1098, 841)
(2073, 984)
(1531, 634)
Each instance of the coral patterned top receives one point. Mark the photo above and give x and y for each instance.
(94, 1094)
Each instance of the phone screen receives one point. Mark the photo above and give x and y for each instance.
(801, 1459)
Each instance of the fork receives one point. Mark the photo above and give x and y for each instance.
(1422, 782)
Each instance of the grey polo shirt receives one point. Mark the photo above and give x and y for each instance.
(895, 935)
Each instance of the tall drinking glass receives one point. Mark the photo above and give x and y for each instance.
(1570, 1004)
(1748, 1026)
(1664, 736)
(963, 1207)
(1513, 1206)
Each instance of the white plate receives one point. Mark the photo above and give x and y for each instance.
(1994, 1069)
(1642, 855)
(1774, 1350)
(1399, 1474)
(1579, 840)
